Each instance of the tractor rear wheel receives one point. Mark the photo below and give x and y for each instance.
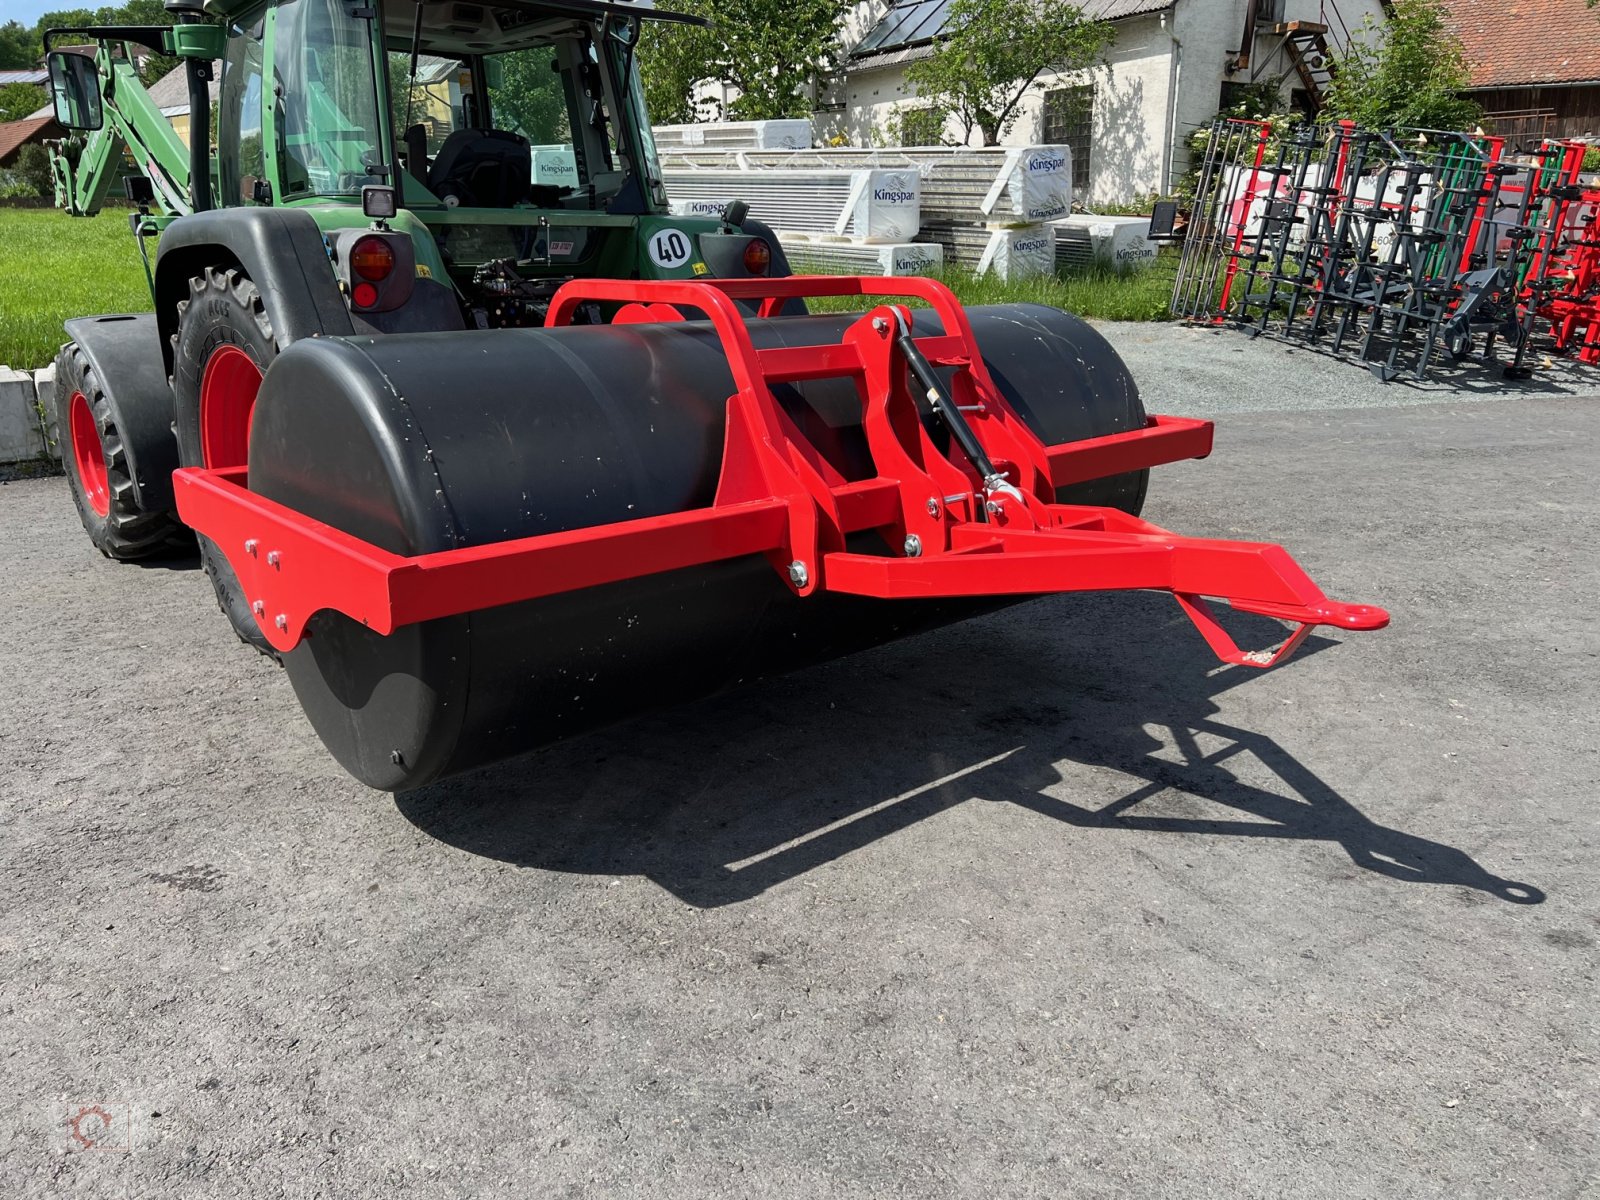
(223, 347)
(97, 467)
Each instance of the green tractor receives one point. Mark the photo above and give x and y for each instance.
(489, 449)
(403, 167)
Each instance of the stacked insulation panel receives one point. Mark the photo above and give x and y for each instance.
(808, 256)
(734, 135)
(1087, 239)
(864, 206)
(977, 205)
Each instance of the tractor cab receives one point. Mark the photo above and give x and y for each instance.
(511, 141)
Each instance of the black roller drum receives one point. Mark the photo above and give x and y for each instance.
(427, 442)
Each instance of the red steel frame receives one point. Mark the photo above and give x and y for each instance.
(779, 497)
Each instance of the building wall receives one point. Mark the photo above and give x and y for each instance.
(1163, 80)
(1532, 112)
(1131, 100)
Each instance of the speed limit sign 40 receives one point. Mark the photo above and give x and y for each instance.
(670, 248)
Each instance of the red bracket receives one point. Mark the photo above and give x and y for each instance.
(947, 532)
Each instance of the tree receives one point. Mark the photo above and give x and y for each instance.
(1408, 73)
(529, 98)
(18, 100)
(33, 169)
(134, 12)
(991, 53)
(769, 50)
(672, 61)
(19, 47)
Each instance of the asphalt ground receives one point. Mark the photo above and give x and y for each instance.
(1044, 904)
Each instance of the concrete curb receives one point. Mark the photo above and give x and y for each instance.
(27, 416)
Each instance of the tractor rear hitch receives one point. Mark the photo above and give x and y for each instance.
(980, 520)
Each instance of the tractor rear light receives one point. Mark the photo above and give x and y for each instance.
(757, 256)
(364, 294)
(371, 258)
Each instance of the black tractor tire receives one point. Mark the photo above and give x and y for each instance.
(96, 462)
(224, 309)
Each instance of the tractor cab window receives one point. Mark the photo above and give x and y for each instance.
(509, 147)
(240, 166)
(528, 96)
(325, 100)
(541, 125)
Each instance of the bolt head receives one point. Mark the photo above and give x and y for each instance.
(273, 558)
(933, 507)
(259, 607)
(913, 546)
(282, 622)
(250, 545)
(798, 575)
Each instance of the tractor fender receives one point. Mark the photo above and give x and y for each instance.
(124, 351)
(280, 249)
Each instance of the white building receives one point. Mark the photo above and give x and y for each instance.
(1173, 65)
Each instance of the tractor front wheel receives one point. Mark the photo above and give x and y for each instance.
(223, 347)
(98, 471)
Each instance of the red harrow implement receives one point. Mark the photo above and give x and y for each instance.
(971, 515)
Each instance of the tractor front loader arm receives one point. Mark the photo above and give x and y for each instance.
(84, 163)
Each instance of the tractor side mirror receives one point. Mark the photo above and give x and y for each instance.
(75, 91)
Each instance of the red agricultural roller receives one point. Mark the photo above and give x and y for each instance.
(455, 577)
(488, 461)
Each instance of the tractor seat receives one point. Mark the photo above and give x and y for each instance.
(482, 168)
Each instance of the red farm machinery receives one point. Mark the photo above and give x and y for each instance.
(489, 458)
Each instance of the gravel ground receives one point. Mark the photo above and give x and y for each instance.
(1207, 371)
(1043, 904)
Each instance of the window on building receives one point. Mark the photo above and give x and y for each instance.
(1068, 120)
(921, 127)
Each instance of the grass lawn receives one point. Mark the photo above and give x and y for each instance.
(1102, 293)
(54, 267)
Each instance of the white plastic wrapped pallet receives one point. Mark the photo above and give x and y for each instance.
(820, 256)
(554, 166)
(1033, 184)
(1122, 242)
(1019, 253)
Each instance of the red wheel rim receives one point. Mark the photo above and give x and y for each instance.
(88, 458)
(227, 402)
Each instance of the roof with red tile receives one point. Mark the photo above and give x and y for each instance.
(14, 135)
(1512, 43)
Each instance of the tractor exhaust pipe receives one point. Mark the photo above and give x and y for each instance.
(198, 72)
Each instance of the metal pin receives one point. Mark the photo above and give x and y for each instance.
(913, 546)
(798, 575)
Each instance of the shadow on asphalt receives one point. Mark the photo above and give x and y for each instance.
(920, 734)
